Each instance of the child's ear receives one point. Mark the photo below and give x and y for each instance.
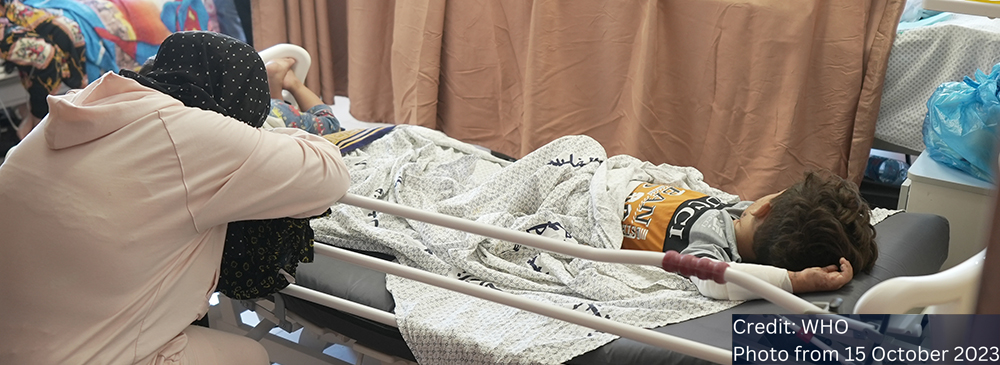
(762, 210)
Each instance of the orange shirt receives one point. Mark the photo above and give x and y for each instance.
(660, 217)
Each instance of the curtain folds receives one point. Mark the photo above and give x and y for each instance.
(751, 92)
(319, 26)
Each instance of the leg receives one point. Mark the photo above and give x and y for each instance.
(305, 97)
(208, 346)
(276, 72)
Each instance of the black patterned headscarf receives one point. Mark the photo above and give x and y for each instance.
(210, 71)
(216, 72)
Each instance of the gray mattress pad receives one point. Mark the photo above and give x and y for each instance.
(910, 244)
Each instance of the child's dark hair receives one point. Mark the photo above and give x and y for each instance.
(816, 222)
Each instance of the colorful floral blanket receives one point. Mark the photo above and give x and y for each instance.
(124, 33)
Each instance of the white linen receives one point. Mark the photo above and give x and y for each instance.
(569, 189)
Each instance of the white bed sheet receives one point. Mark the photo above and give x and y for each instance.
(922, 59)
(569, 185)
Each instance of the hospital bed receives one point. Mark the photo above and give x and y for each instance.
(910, 245)
(925, 54)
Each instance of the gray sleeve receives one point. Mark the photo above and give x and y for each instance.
(713, 236)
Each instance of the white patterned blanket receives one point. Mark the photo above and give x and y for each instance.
(569, 189)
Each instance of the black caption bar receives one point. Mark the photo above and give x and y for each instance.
(865, 339)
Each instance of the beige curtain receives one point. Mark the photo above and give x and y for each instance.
(319, 26)
(751, 92)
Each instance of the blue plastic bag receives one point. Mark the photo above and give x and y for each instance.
(961, 124)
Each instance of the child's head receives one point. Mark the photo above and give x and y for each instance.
(814, 223)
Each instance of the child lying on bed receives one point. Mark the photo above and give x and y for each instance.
(802, 239)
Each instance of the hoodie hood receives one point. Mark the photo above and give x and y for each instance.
(106, 105)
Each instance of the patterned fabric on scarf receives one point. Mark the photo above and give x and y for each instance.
(211, 71)
(251, 264)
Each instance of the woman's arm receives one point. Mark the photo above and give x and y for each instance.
(235, 172)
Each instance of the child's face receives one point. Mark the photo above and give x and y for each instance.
(748, 222)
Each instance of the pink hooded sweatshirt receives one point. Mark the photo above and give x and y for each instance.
(113, 215)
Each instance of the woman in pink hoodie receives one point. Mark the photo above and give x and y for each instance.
(114, 210)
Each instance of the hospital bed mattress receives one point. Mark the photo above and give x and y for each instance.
(909, 244)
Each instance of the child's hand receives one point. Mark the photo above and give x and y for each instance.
(821, 278)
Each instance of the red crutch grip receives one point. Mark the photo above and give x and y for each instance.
(688, 265)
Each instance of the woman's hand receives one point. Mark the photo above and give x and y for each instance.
(816, 279)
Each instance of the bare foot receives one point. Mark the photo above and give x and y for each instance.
(277, 70)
